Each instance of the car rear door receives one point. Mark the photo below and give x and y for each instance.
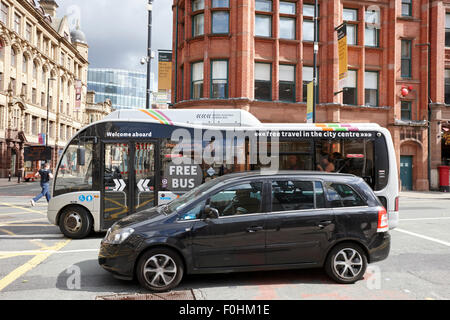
(299, 226)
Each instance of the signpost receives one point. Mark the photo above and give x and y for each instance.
(343, 53)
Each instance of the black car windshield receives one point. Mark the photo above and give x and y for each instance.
(187, 197)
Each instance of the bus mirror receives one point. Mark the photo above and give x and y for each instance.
(81, 156)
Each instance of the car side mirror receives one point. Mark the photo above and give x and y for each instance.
(211, 213)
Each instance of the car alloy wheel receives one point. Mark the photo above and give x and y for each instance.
(160, 270)
(348, 263)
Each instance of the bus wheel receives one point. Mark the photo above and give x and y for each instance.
(75, 222)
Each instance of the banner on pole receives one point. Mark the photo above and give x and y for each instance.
(343, 53)
(309, 102)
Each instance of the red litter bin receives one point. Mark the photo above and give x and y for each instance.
(444, 178)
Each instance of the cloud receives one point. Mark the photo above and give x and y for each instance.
(116, 30)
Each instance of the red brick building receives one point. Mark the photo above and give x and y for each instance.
(257, 55)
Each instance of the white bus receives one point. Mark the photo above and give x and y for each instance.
(125, 163)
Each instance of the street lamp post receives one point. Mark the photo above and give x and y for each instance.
(149, 53)
(316, 50)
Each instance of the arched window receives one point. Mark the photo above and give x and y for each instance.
(13, 57)
(25, 64)
(35, 70)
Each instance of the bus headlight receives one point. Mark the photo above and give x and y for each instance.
(118, 236)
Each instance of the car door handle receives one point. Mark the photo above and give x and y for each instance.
(324, 223)
(254, 229)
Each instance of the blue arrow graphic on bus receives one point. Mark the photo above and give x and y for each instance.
(120, 185)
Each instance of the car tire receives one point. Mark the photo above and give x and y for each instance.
(75, 222)
(160, 269)
(346, 263)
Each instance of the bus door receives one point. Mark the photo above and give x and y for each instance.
(129, 178)
(145, 168)
(116, 182)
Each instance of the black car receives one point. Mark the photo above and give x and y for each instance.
(253, 221)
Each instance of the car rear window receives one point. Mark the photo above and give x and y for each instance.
(342, 195)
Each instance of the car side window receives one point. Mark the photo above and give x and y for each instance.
(240, 199)
(320, 195)
(290, 195)
(193, 213)
(342, 195)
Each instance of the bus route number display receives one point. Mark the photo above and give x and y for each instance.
(183, 177)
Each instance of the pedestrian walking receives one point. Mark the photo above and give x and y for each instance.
(45, 175)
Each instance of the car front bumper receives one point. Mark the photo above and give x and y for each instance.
(118, 259)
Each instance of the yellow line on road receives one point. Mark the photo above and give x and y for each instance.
(8, 223)
(22, 208)
(32, 263)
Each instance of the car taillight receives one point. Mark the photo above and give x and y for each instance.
(396, 203)
(383, 221)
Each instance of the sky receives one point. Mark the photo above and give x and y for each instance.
(116, 30)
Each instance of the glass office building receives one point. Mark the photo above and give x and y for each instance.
(125, 89)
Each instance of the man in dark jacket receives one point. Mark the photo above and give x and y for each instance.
(45, 175)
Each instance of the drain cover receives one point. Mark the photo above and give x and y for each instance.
(173, 295)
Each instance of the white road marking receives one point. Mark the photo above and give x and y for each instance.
(423, 237)
(418, 219)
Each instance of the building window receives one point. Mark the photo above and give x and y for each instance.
(287, 83)
(13, 85)
(307, 76)
(447, 30)
(219, 79)
(62, 59)
(263, 5)
(17, 22)
(13, 57)
(308, 23)
(198, 25)
(447, 86)
(24, 64)
(4, 14)
(198, 5)
(28, 30)
(24, 90)
(263, 81)
(220, 3)
(406, 110)
(371, 88)
(406, 8)
(34, 96)
(43, 99)
(197, 80)
(350, 94)
(350, 16)
(406, 59)
(35, 70)
(287, 7)
(372, 33)
(34, 126)
(287, 28)
(308, 30)
(220, 22)
(263, 25)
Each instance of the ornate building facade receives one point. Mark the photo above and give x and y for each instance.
(257, 55)
(42, 66)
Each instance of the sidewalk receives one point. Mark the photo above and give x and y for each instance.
(5, 183)
(425, 195)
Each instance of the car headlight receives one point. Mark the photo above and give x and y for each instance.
(118, 236)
